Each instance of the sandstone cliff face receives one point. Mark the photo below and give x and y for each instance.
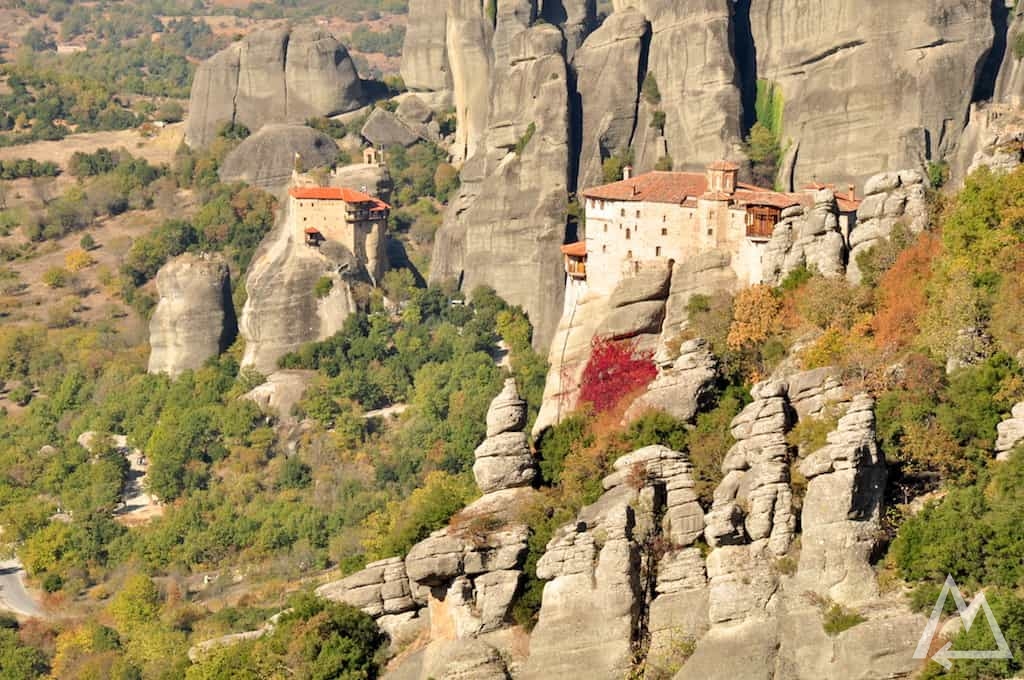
(889, 198)
(424, 50)
(806, 237)
(504, 227)
(608, 82)
(870, 88)
(282, 311)
(194, 318)
(267, 158)
(278, 75)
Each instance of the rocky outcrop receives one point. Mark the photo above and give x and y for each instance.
(279, 75)
(468, 34)
(384, 129)
(859, 96)
(753, 503)
(993, 138)
(268, 158)
(281, 392)
(282, 311)
(682, 387)
(505, 225)
(194, 318)
(806, 237)
(889, 198)
(841, 516)
(503, 460)
(608, 82)
(424, 50)
(705, 274)
(1010, 432)
(599, 578)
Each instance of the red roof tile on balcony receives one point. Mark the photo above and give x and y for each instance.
(577, 249)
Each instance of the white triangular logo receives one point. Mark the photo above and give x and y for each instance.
(945, 656)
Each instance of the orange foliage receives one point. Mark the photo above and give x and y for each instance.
(902, 293)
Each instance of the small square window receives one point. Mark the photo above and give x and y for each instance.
(638, 214)
(627, 234)
(711, 232)
(657, 251)
(604, 248)
(606, 228)
(664, 232)
(622, 212)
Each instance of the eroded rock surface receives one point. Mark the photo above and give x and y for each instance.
(195, 317)
(808, 237)
(1010, 432)
(503, 460)
(889, 198)
(278, 75)
(267, 158)
(683, 386)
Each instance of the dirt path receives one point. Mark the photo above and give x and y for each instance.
(14, 596)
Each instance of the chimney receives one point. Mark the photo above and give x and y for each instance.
(627, 172)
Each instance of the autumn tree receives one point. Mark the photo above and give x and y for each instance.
(614, 371)
(755, 312)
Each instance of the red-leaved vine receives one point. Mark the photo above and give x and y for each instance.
(615, 369)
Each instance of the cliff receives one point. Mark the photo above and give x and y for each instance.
(281, 75)
(194, 318)
(267, 158)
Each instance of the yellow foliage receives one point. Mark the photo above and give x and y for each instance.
(77, 260)
(755, 315)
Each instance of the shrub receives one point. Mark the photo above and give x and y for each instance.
(323, 286)
(55, 277)
(52, 583)
(658, 120)
(525, 139)
(87, 242)
(649, 89)
(755, 312)
(615, 370)
(838, 618)
(665, 164)
(1018, 45)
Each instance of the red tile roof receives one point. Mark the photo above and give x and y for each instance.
(683, 188)
(577, 249)
(333, 194)
(311, 230)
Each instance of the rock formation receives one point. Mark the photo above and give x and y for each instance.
(194, 318)
(1010, 432)
(505, 225)
(278, 75)
(842, 509)
(282, 312)
(424, 50)
(682, 386)
(806, 237)
(857, 96)
(608, 81)
(889, 198)
(267, 158)
(503, 460)
(384, 129)
(600, 579)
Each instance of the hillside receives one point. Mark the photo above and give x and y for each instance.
(662, 340)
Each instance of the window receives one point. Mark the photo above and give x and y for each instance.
(657, 251)
(627, 234)
(606, 228)
(629, 254)
(711, 231)
(638, 214)
(604, 248)
(664, 218)
(664, 232)
(622, 212)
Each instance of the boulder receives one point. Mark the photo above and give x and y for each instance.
(381, 588)
(1010, 432)
(281, 392)
(276, 75)
(194, 318)
(706, 274)
(504, 462)
(649, 282)
(680, 389)
(632, 320)
(385, 129)
(890, 198)
(807, 238)
(507, 412)
(268, 158)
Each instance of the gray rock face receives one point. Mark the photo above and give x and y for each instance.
(1010, 83)
(889, 197)
(754, 501)
(380, 588)
(503, 460)
(267, 158)
(282, 391)
(681, 388)
(424, 50)
(195, 318)
(608, 82)
(691, 57)
(807, 237)
(842, 509)
(278, 75)
(860, 96)
(649, 282)
(1011, 432)
(282, 311)
(470, 60)
(993, 138)
(705, 274)
(504, 227)
(385, 129)
(590, 606)
(633, 320)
